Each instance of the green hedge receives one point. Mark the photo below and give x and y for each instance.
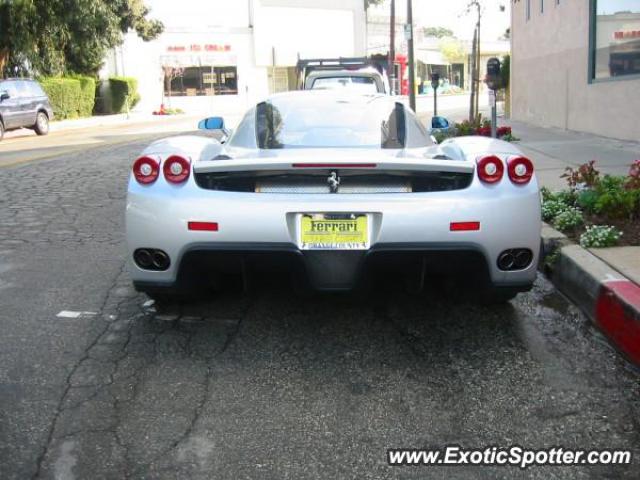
(65, 96)
(71, 97)
(123, 89)
(87, 95)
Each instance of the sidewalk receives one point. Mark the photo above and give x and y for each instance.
(603, 282)
(133, 118)
(552, 150)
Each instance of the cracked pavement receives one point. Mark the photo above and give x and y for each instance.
(267, 384)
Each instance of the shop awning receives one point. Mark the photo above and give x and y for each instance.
(190, 60)
(431, 57)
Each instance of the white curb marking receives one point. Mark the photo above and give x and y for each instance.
(72, 314)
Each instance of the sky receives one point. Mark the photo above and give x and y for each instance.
(452, 14)
(427, 13)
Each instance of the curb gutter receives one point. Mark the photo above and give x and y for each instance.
(609, 299)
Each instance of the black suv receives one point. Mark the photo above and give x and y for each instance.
(23, 103)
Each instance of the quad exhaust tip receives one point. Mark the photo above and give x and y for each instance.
(151, 259)
(515, 259)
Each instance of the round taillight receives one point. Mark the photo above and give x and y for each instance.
(490, 169)
(520, 170)
(176, 169)
(146, 170)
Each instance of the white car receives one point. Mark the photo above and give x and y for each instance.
(364, 80)
(333, 187)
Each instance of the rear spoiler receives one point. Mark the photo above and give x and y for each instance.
(304, 165)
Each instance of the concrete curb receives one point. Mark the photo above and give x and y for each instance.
(609, 299)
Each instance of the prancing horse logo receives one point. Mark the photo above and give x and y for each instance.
(333, 181)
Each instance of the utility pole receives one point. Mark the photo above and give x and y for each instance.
(472, 64)
(392, 49)
(412, 76)
(477, 3)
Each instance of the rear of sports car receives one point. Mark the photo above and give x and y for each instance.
(334, 218)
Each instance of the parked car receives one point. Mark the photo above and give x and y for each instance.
(335, 187)
(24, 104)
(367, 80)
(360, 74)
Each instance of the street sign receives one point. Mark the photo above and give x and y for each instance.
(407, 31)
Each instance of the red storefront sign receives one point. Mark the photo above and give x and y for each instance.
(209, 47)
(626, 34)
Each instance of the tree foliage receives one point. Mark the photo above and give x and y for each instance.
(505, 71)
(53, 37)
(452, 50)
(369, 3)
(438, 32)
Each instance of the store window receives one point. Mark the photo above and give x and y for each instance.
(615, 42)
(200, 81)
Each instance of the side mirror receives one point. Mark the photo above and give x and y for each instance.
(439, 123)
(4, 96)
(211, 123)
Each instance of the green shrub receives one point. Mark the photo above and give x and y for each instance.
(87, 97)
(553, 204)
(64, 95)
(614, 200)
(124, 93)
(587, 200)
(600, 236)
(552, 208)
(568, 220)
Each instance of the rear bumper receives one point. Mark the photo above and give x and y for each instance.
(262, 228)
(204, 265)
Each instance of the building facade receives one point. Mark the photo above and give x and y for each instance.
(218, 55)
(576, 65)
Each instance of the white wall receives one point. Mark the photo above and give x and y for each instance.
(309, 29)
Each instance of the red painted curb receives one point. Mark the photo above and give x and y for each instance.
(618, 315)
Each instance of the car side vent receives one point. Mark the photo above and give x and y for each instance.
(222, 157)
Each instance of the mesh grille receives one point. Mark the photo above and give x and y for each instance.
(345, 187)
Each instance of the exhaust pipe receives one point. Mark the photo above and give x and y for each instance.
(143, 259)
(523, 259)
(160, 260)
(151, 259)
(506, 260)
(515, 259)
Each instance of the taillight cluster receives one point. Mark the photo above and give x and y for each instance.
(491, 169)
(176, 169)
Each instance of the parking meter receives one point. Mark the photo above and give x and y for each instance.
(494, 83)
(493, 73)
(435, 80)
(435, 83)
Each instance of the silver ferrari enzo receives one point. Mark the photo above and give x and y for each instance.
(334, 188)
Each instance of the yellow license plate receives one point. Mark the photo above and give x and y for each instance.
(334, 232)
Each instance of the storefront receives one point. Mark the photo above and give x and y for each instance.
(250, 52)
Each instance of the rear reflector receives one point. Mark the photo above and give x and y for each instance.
(334, 165)
(203, 226)
(464, 226)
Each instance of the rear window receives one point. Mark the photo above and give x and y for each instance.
(331, 123)
(35, 89)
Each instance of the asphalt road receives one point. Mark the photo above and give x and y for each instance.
(269, 385)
